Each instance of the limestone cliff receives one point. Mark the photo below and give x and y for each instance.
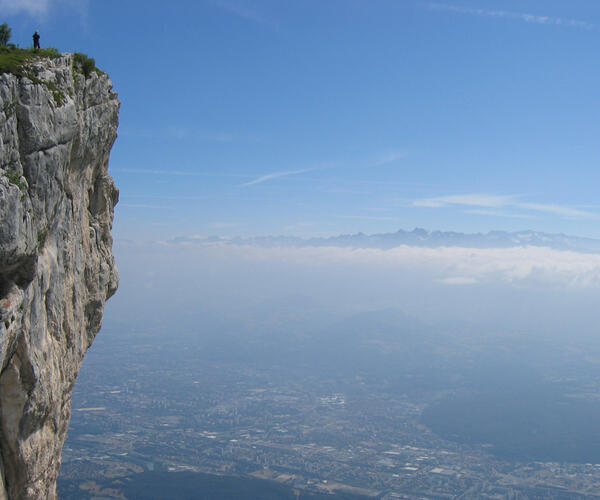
(57, 126)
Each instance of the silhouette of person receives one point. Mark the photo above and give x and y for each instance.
(36, 40)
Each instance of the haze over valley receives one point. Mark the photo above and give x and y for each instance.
(401, 372)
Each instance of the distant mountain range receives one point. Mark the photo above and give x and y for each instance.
(417, 238)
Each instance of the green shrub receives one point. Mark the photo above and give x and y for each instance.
(42, 237)
(9, 108)
(14, 178)
(59, 97)
(4, 34)
(84, 64)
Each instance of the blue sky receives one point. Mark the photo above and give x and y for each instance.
(334, 116)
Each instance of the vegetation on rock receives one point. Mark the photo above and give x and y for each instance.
(14, 178)
(85, 64)
(14, 60)
(4, 34)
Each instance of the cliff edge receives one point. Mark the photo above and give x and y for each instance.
(58, 122)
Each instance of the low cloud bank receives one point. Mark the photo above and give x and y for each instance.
(518, 266)
(184, 285)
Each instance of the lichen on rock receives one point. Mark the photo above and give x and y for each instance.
(57, 270)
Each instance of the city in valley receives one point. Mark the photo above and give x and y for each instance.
(355, 421)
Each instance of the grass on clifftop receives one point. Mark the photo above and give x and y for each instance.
(13, 59)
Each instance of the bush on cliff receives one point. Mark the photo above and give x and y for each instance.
(84, 63)
(4, 34)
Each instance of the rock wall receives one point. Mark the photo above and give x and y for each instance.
(56, 265)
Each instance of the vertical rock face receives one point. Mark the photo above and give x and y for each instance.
(56, 266)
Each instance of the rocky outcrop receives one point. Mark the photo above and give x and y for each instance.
(57, 127)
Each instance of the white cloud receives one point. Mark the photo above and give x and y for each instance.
(473, 200)
(224, 225)
(522, 267)
(276, 175)
(370, 217)
(41, 8)
(503, 14)
(491, 201)
(458, 280)
(32, 7)
(387, 159)
(555, 209)
(498, 213)
(246, 13)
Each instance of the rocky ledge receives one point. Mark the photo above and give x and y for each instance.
(57, 126)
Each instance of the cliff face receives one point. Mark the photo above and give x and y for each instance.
(56, 266)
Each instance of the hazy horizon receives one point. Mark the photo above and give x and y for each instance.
(525, 286)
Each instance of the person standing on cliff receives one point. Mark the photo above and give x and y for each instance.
(36, 40)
